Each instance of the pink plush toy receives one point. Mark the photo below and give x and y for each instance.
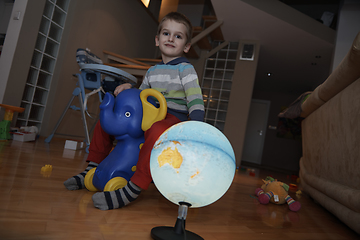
(277, 193)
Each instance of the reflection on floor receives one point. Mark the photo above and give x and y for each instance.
(34, 204)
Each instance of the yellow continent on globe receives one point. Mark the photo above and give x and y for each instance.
(170, 156)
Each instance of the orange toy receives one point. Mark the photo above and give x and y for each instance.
(5, 124)
(277, 193)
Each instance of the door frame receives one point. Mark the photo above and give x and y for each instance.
(265, 123)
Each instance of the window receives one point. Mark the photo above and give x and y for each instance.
(216, 83)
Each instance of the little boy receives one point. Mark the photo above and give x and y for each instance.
(177, 80)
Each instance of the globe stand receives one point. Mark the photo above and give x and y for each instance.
(177, 232)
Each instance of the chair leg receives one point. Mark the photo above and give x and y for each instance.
(83, 116)
(75, 93)
(93, 126)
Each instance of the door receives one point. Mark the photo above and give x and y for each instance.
(255, 131)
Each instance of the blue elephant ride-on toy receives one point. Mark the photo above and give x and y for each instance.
(125, 117)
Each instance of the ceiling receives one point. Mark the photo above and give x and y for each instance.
(296, 49)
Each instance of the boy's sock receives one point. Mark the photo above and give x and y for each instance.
(118, 198)
(77, 182)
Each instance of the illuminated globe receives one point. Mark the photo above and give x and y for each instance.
(192, 162)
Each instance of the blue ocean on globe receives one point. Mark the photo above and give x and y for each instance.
(192, 162)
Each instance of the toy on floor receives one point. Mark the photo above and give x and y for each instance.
(5, 124)
(126, 118)
(46, 170)
(277, 193)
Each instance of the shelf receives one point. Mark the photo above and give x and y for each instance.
(40, 42)
(47, 64)
(44, 25)
(55, 32)
(36, 59)
(32, 76)
(36, 113)
(52, 48)
(44, 80)
(63, 4)
(43, 63)
(48, 10)
(40, 96)
(59, 17)
(28, 93)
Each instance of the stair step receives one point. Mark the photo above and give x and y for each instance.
(203, 43)
(151, 61)
(122, 59)
(136, 70)
(217, 33)
(209, 18)
(118, 65)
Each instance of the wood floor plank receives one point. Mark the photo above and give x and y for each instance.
(37, 206)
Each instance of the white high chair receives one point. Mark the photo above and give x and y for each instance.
(97, 78)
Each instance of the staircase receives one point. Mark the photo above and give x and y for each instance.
(136, 67)
(204, 36)
(201, 41)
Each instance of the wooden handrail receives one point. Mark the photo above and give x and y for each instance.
(135, 70)
(148, 60)
(206, 31)
(117, 65)
(123, 59)
(209, 18)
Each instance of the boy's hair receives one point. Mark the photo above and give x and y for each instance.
(180, 18)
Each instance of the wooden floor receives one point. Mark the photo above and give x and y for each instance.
(34, 206)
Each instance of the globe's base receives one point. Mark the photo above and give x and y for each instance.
(168, 233)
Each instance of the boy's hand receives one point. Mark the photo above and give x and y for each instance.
(121, 88)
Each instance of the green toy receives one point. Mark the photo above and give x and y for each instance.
(276, 192)
(5, 124)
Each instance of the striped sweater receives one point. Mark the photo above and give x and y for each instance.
(178, 82)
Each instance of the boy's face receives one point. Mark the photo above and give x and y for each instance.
(172, 40)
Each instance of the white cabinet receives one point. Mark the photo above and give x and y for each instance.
(43, 63)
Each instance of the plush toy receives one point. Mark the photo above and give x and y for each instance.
(277, 193)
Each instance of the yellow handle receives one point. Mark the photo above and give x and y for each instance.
(152, 114)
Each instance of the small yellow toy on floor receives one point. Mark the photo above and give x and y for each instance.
(277, 193)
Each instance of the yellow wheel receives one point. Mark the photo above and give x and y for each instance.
(88, 180)
(115, 183)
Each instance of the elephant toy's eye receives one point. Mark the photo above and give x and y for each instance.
(127, 114)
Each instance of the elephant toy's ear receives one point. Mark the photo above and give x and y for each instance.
(151, 114)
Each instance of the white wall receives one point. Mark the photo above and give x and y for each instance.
(5, 13)
(347, 29)
(17, 51)
(10, 45)
(193, 10)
